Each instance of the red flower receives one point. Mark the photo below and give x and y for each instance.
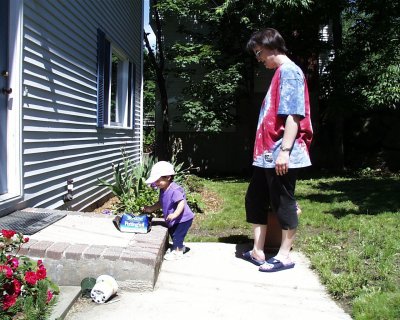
(41, 273)
(8, 301)
(17, 287)
(7, 271)
(8, 288)
(49, 296)
(26, 239)
(30, 278)
(8, 233)
(13, 288)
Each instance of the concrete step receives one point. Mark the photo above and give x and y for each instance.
(84, 245)
(66, 298)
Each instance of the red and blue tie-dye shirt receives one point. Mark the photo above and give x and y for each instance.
(287, 95)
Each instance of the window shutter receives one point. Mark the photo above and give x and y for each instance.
(103, 78)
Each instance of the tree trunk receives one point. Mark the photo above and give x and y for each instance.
(338, 148)
(162, 137)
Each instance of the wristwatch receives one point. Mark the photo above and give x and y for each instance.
(285, 149)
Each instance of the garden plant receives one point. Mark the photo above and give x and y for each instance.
(129, 185)
(27, 293)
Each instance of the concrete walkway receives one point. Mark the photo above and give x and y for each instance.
(212, 282)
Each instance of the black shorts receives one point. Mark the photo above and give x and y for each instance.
(268, 191)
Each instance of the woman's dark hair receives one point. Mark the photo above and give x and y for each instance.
(268, 38)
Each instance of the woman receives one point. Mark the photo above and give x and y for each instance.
(283, 137)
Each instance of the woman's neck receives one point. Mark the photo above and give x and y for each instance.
(280, 59)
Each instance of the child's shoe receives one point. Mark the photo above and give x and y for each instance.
(173, 255)
(298, 209)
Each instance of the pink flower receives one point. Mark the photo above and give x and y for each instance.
(8, 301)
(49, 296)
(8, 233)
(41, 273)
(13, 262)
(39, 263)
(30, 278)
(7, 271)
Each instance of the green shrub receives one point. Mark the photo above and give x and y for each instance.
(149, 138)
(129, 184)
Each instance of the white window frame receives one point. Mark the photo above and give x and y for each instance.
(124, 83)
(122, 101)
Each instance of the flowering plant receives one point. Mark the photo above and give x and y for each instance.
(26, 292)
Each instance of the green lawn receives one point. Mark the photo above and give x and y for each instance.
(349, 229)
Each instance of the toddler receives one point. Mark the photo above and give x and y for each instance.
(172, 201)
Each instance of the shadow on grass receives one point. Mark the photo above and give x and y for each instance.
(371, 196)
(239, 179)
(235, 239)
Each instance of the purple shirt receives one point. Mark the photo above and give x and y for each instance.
(169, 200)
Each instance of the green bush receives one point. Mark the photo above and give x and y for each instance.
(129, 184)
(149, 138)
(130, 187)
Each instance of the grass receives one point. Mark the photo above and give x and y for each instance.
(349, 229)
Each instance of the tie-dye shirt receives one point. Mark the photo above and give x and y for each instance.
(287, 95)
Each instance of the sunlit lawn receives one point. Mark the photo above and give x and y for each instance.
(349, 229)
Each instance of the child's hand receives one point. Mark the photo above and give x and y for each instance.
(146, 209)
(170, 217)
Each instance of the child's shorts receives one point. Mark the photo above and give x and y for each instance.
(268, 191)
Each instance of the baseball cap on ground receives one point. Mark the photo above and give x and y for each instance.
(160, 169)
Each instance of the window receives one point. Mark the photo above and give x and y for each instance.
(115, 84)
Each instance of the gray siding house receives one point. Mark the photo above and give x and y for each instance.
(70, 99)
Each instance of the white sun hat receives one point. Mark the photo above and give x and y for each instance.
(160, 169)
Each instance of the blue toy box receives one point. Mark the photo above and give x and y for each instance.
(135, 223)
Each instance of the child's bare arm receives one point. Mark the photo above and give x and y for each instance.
(152, 208)
(178, 211)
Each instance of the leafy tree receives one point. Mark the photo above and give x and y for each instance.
(210, 56)
(149, 86)
(372, 34)
(364, 75)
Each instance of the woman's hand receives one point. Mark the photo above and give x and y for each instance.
(282, 163)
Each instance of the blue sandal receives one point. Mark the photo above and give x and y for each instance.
(247, 256)
(277, 265)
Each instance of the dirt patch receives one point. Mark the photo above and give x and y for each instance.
(108, 205)
(212, 201)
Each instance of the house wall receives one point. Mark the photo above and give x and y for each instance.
(60, 139)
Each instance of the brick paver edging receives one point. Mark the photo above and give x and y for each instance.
(135, 266)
